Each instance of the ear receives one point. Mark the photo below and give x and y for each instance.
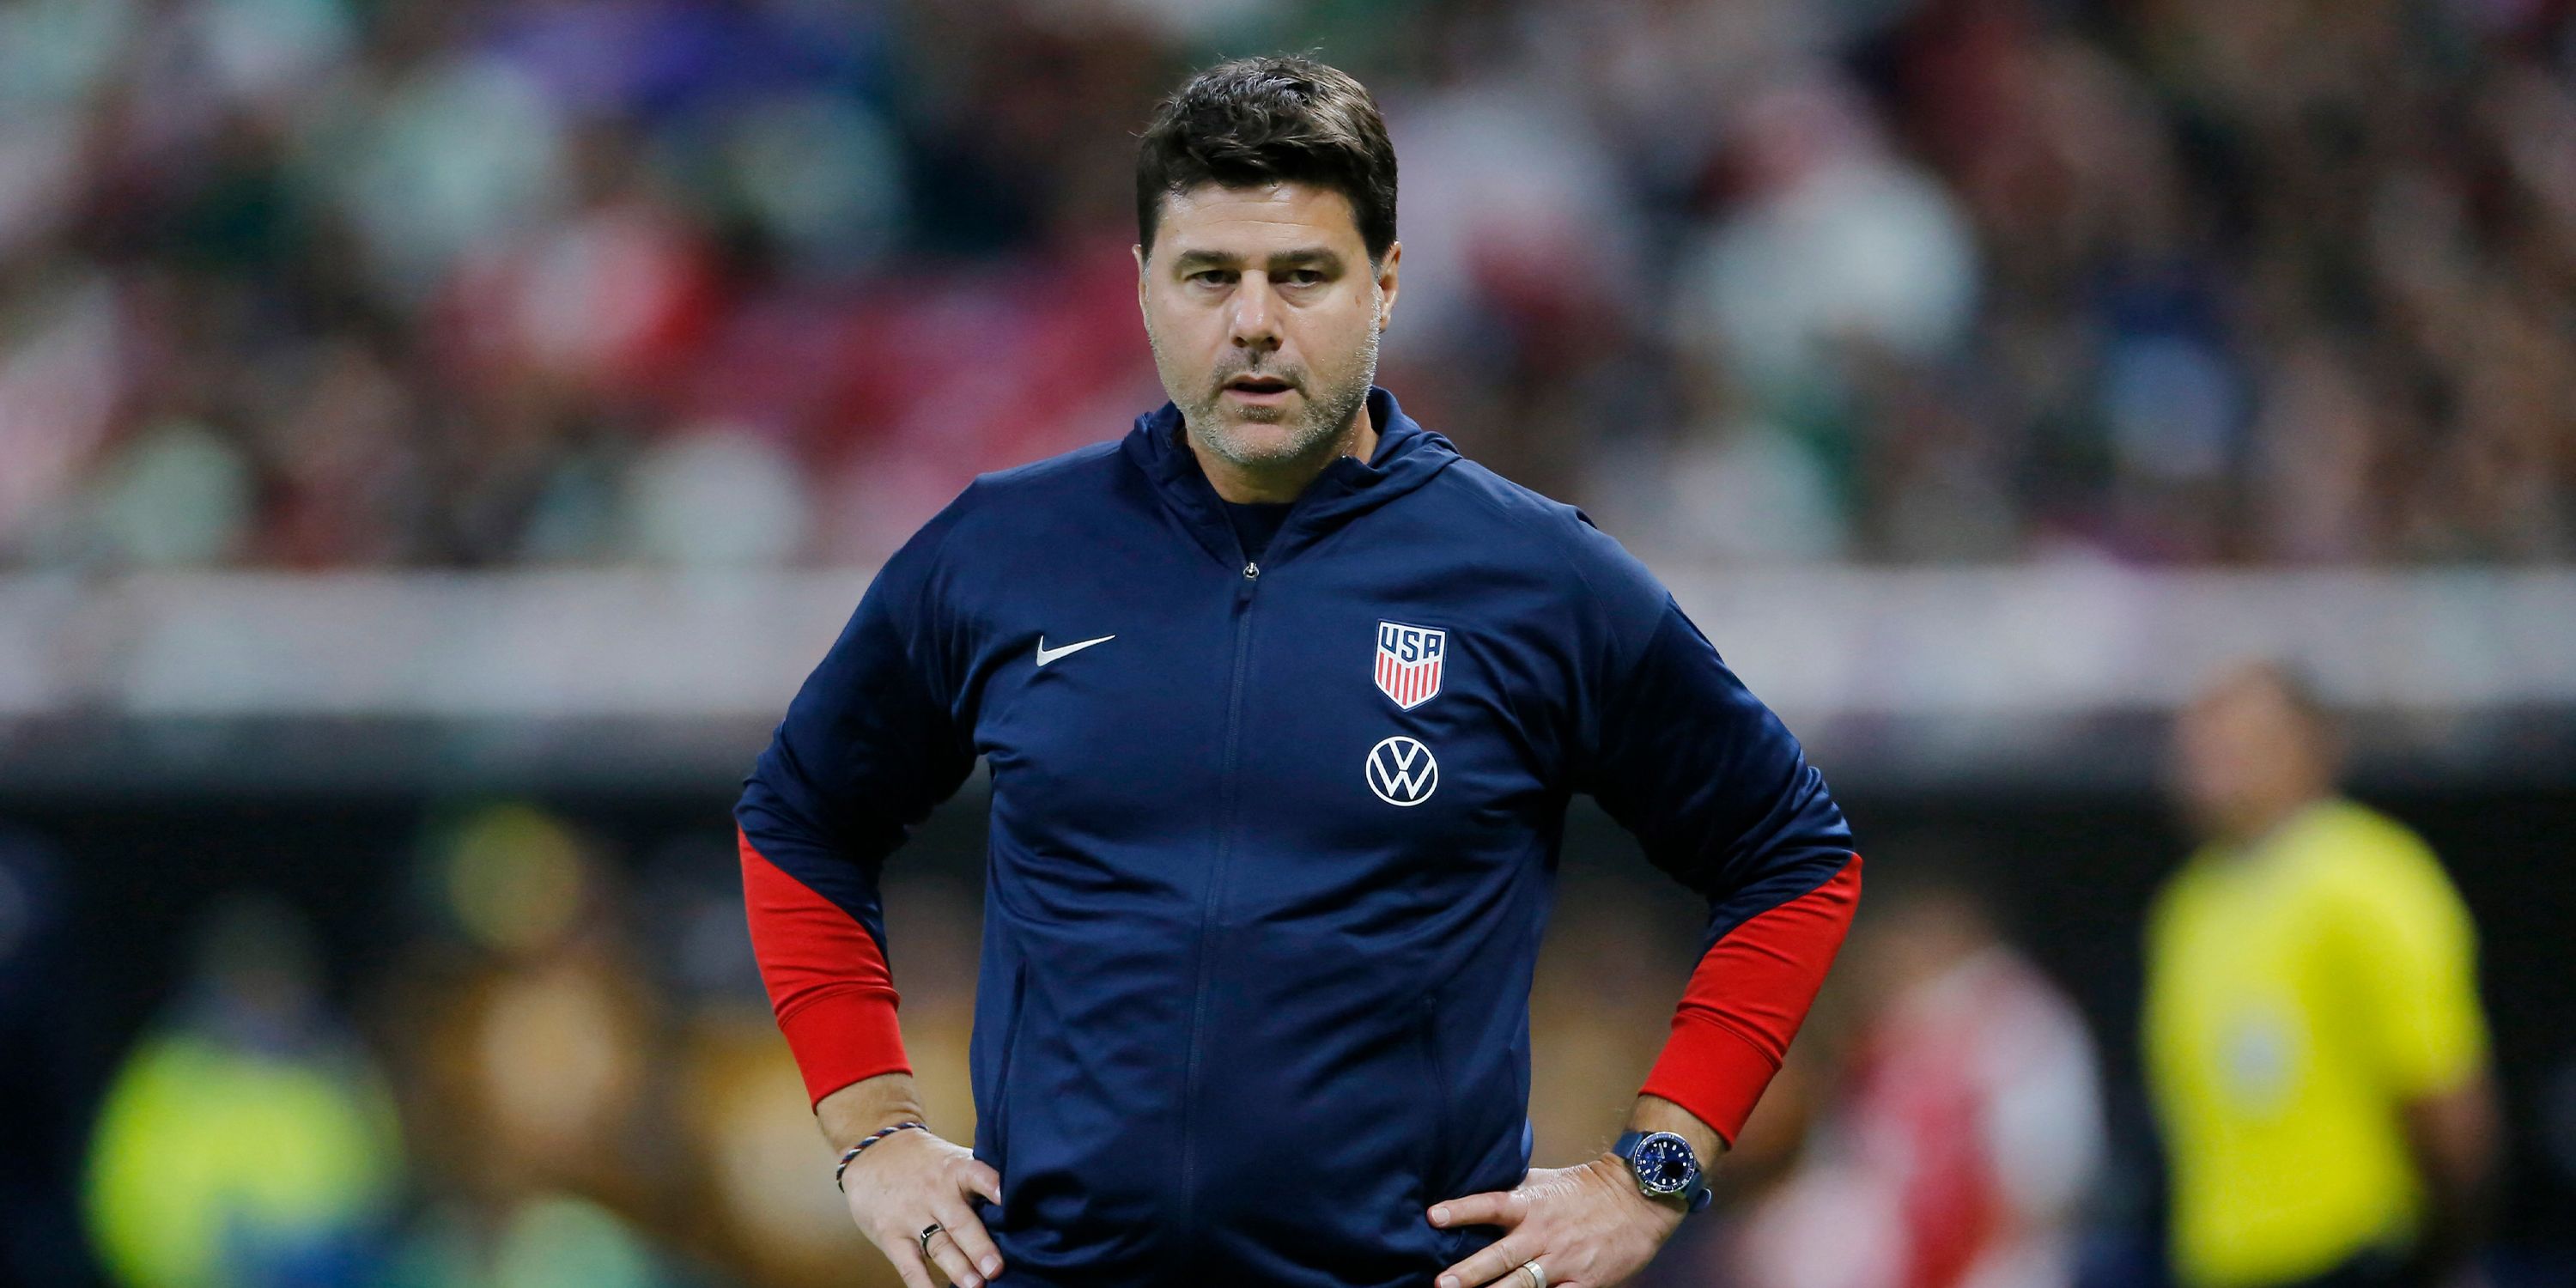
(1386, 285)
(1138, 250)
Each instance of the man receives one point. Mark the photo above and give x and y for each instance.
(1283, 702)
(2312, 1030)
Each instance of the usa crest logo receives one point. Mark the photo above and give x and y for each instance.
(1408, 662)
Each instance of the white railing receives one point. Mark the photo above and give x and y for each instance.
(1820, 644)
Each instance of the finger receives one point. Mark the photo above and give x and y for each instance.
(906, 1256)
(973, 1241)
(982, 1179)
(1503, 1208)
(1493, 1263)
(952, 1261)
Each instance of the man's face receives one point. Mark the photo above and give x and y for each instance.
(2245, 754)
(1264, 315)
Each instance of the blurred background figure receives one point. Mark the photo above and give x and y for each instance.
(2314, 1038)
(1961, 1131)
(527, 1039)
(247, 1141)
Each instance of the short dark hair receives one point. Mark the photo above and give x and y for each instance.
(1281, 118)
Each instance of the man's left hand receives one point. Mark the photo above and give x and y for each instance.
(1587, 1227)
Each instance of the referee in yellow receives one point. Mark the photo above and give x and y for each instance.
(2313, 1039)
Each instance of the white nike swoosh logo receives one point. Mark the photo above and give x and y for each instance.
(1046, 655)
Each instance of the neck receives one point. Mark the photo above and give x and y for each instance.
(2256, 825)
(1284, 480)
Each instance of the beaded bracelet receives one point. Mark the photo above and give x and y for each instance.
(852, 1153)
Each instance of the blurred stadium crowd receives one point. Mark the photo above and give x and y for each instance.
(330, 283)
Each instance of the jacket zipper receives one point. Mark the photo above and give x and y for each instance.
(1215, 883)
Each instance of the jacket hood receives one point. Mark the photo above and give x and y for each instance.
(1407, 457)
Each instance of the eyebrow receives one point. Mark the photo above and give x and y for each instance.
(1190, 261)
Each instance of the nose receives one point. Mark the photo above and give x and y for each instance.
(1256, 314)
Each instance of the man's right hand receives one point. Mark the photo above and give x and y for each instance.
(907, 1182)
(910, 1181)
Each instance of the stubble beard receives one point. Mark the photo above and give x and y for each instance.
(1325, 422)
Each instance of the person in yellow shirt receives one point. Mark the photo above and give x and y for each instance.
(246, 1141)
(2314, 1044)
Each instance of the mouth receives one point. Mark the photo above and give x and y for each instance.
(1258, 389)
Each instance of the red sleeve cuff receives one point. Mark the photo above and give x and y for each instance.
(843, 1037)
(1746, 1001)
(1712, 1071)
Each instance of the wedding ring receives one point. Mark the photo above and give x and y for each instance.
(1537, 1273)
(930, 1231)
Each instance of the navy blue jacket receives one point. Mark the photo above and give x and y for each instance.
(1272, 853)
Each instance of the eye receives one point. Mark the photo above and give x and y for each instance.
(1212, 277)
(1304, 277)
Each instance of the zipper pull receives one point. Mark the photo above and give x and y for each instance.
(1252, 572)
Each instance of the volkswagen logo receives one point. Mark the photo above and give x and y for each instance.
(1402, 772)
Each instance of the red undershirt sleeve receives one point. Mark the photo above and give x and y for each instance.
(826, 977)
(1746, 1000)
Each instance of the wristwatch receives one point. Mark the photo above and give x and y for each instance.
(1665, 1168)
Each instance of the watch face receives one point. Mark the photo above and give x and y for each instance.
(1664, 1164)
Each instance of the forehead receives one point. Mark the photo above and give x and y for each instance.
(1248, 221)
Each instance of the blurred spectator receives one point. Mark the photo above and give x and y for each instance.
(1832, 242)
(2313, 1034)
(246, 1142)
(526, 1034)
(716, 498)
(1965, 1131)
